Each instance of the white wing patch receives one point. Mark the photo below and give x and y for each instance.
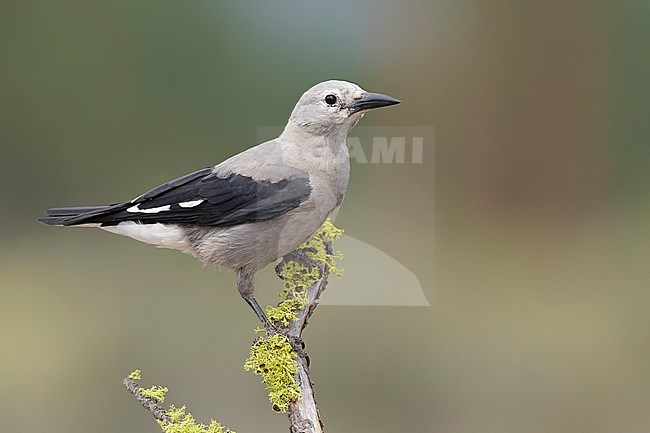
(192, 203)
(136, 209)
(185, 204)
(161, 235)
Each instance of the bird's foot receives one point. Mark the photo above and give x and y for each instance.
(299, 256)
(297, 343)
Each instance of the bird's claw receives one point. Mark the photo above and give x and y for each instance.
(297, 343)
(300, 256)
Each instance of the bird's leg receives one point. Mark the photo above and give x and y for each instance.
(246, 290)
(250, 300)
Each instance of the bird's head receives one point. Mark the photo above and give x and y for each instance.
(334, 107)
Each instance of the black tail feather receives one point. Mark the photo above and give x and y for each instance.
(70, 211)
(52, 221)
(62, 215)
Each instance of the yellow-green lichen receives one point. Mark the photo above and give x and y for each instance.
(181, 421)
(274, 359)
(298, 277)
(316, 247)
(156, 392)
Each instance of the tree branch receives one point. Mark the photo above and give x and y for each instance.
(303, 413)
(148, 403)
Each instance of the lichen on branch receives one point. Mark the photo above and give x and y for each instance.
(298, 277)
(316, 247)
(183, 422)
(156, 392)
(177, 420)
(274, 359)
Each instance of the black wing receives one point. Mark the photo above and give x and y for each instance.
(200, 198)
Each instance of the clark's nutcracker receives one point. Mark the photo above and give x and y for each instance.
(256, 206)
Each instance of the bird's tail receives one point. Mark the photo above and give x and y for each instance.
(58, 216)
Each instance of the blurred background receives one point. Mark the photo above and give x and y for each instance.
(527, 224)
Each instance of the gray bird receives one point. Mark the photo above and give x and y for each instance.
(256, 206)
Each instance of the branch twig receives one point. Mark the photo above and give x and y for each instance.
(148, 403)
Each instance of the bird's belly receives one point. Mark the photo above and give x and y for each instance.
(252, 246)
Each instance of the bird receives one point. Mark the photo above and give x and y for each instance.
(256, 206)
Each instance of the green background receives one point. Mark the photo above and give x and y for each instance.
(527, 224)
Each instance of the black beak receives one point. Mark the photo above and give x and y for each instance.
(368, 101)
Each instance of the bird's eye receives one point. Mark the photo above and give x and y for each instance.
(330, 99)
